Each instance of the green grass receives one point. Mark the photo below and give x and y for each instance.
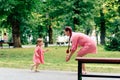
(55, 59)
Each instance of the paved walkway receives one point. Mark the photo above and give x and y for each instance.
(24, 74)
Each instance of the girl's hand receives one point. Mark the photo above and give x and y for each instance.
(46, 50)
(37, 55)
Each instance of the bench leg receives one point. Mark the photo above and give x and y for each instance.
(79, 70)
(1, 45)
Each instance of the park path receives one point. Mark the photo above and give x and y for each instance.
(26, 74)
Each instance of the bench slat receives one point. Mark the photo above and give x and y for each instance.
(98, 60)
(9, 44)
(104, 76)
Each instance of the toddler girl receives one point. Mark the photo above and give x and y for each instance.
(38, 57)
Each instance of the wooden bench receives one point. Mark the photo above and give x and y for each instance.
(96, 60)
(9, 44)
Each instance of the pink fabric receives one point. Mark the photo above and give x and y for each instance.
(38, 56)
(88, 44)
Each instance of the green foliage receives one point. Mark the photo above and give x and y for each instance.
(19, 13)
(114, 43)
(113, 26)
(64, 13)
(34, 16)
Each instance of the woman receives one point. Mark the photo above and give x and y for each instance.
(87, 44)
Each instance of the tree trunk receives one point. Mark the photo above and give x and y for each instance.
(76, 11)
(50, 31)
(102, 27)
(16, 34)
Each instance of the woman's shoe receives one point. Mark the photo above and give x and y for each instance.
(84, 72)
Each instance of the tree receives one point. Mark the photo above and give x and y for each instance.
(83, 15)
(102, 27)
(17, 12)
(113, 29)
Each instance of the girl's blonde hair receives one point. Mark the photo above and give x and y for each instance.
(39, 40)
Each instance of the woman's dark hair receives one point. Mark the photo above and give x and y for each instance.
(70, 30)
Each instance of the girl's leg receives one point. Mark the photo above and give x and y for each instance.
(36, 67)
(32, 66)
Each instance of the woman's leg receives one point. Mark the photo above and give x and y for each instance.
(87, 48)
(82, 52)
(83, 69)
(83, 65)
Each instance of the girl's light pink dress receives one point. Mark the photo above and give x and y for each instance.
(38, 56)
(88, 45)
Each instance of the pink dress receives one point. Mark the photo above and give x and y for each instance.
(38, 56)
(79, 39)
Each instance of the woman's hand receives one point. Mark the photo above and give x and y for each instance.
(67, 51)
(68, 57)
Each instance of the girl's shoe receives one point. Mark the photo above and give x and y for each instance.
(36, 71)
(31, 68)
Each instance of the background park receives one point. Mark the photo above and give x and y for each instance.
(26, 20)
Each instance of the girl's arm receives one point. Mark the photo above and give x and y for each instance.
(36, 51)
(46, 50)
(37, 54)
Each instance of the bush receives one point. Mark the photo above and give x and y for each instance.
(114, 43)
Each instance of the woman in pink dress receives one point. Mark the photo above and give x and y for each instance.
(87, 44)
(38, 57)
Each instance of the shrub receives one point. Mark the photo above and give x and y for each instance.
(114, 43)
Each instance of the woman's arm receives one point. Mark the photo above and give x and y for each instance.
(68, 56)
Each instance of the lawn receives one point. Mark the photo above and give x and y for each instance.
(55, 59)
